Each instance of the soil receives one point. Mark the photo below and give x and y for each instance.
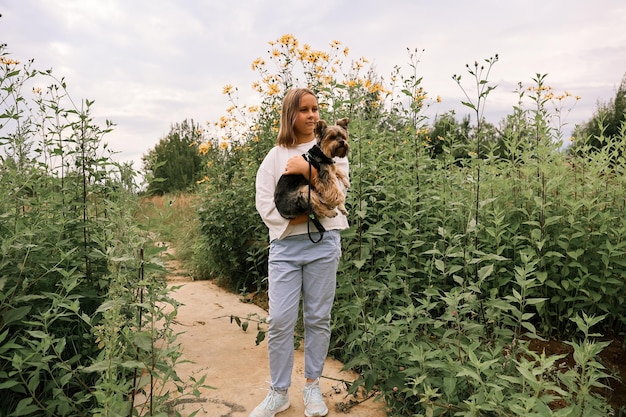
(235, 366)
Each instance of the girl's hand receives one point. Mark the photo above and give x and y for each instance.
(298, 165)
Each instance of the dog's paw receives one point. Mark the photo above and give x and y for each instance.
(326, 212)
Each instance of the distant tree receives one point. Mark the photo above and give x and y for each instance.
(516, 136)
(605, 125)
(447, 135)
(174, 164)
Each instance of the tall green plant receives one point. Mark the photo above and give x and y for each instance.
(69, 247)
(456, 255)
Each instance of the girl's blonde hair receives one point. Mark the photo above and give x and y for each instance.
(291, 106)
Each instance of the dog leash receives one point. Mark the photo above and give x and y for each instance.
(311, 215)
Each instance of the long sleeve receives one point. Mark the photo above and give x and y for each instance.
(264, 200)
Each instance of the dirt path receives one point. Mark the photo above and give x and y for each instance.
(233, 364)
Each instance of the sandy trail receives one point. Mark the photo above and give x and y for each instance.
(234, 365)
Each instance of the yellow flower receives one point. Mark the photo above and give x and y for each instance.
(227, 89)
(288, 40)
(257, 63)
(346, 51)
(204, 148)
(438, 99)
(335, 44)
(8, 61)
(224, 145)
(275, 53)
(273, 89)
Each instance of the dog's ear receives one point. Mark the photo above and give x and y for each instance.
(343, 123)
(320, 128)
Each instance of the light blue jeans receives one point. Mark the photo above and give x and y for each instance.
(298, 267)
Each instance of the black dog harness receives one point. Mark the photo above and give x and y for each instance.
(315, 157)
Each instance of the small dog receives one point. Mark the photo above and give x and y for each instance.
(293, 196)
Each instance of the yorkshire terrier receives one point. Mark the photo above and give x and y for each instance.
(293, 196)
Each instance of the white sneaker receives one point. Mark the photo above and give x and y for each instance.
(314, 405)
(274, 403)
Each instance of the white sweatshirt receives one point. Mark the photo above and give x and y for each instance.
(267, 177)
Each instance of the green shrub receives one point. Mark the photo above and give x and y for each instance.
(461, 246)
(82, 315)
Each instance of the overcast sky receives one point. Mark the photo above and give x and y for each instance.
(151, 63)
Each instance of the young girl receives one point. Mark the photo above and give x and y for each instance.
(297, 266)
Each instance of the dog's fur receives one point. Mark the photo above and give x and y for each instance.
(292, 191)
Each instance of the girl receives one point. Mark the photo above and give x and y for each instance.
(297, 266)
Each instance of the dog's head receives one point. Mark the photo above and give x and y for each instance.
(333, 140)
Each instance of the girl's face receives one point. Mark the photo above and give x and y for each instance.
(306, 118)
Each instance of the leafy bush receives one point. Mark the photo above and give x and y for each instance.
(85, 328)
(458, 253)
